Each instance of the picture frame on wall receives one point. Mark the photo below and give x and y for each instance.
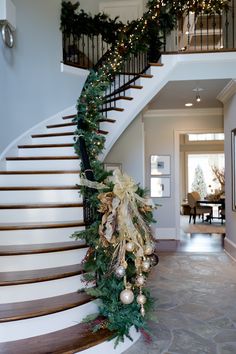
(160, 165)
(160, 187)
(233, 168)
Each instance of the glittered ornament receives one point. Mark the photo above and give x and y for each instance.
(127, 296)
(149, 249)
(141, 299)
(120, 272)
(139, 253)
(140, 280)
(146, 265)
(142, 311)
(129, 246)
(154, 260)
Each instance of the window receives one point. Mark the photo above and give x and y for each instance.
(206, 137)
(200, 172)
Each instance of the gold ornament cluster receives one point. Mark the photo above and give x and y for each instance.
(124, 228)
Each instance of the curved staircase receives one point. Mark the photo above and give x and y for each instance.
(41, 268)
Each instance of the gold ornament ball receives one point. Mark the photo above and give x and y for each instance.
(145, 265)
(141, 299)
(127, 296)
(149, 249)
(140, 280)
(129, 246)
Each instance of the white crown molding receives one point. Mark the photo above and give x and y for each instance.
(183, 112)
(228, 91)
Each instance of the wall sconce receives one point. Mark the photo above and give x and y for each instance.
(7, 21)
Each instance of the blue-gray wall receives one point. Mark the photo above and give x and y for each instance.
(32, 88)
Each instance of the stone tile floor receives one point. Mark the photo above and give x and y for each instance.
(195, 305)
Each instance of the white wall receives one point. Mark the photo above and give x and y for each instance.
(30, 77)
(93, 5)
(230, 123)
(159, 132)
(129, 151)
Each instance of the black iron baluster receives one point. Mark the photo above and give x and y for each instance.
(226, 30)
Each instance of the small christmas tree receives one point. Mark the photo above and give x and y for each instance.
(199, 184)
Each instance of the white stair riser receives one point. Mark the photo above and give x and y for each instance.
(14, 330)
(41, 260)
(63, 179)
(41, 165)
(40, 196)
(52, 151)
(107, 126)
(67, 139)
(109, 346)
(40, 215)
(41, 290)
(66, 129)
(22, 237)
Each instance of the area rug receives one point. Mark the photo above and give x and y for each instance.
(203, 229)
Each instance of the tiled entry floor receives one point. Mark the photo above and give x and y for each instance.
(195, 305)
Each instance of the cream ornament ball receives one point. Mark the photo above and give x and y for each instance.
(146, 265)
(140, 280)
(129, 246)
(120, 272)
(141, 299)
(127, 296)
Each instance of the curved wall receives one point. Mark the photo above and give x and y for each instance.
(31, 84)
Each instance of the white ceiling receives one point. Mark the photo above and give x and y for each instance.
(175, 94)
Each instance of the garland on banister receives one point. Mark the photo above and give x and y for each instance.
(121, 248)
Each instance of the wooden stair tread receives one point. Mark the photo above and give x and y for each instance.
(156, 64)
(40, 248)
(61, 125)
(127, 98)
(71, 116)
(46, 135)
(67, 341)
(111, 109)
(40, 205)
(148, 76)
(41, 307)
(139, 75)
(137, 87)
(39, 275)
(35, 158)
(38, 188)
(28, 158)
(39, 146)
(39, 172)
(40, 225)
(108, 120)
(103, 132)
(122, 89)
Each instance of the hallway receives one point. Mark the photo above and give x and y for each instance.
(195, 305)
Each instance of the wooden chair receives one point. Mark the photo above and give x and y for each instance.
(198, 209)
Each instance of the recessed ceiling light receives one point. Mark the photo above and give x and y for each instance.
(188, 104)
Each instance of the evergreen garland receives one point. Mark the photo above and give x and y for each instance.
(78, 22)
(135, 37)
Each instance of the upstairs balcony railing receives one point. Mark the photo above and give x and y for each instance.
(193, 33)
(203, 32)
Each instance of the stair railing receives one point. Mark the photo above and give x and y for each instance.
(203, 32)
(121, 65)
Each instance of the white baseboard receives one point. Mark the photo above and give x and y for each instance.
(230, 248)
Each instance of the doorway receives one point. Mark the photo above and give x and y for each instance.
(199, 160)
